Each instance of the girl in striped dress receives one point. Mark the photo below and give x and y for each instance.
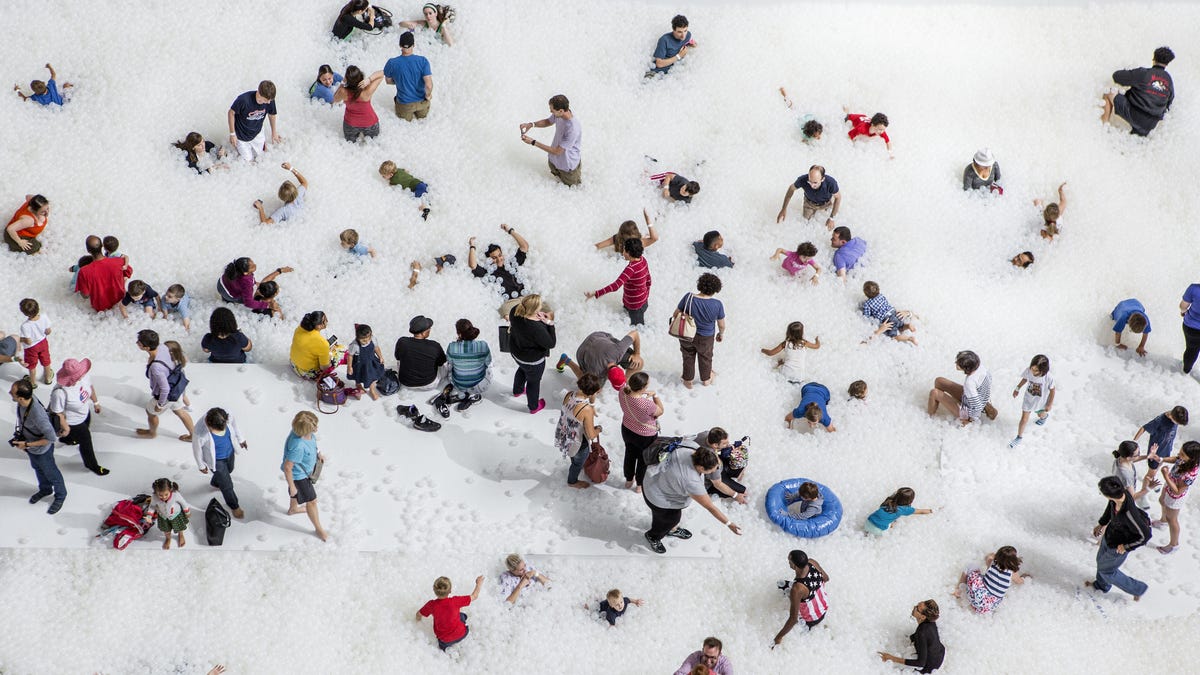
(986, 589)
(806, 592)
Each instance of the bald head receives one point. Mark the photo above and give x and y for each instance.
(94, 245)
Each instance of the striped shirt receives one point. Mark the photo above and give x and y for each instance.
(977, 391)
(997, 580)
(877, 308)
(636, 280)
(469, 361)
(638, 414)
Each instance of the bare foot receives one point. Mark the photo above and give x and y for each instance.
(167, 543)
(1137, 598)
(1088, 584)
(146, 433)
(580, 484)
(374, 394)
(687, 383)
(708, 382)
(638, 489)
(295, 511)
(957, 593)
(186, 438)
(182, 541)
(322, 535)
(628, 484)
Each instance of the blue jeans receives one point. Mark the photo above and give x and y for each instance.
(49, 478)
(224, 482)
(577, 461)
(1109, 574)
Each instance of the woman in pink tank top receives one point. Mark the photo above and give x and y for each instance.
(356, 92)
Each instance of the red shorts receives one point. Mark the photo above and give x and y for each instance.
(39, 353)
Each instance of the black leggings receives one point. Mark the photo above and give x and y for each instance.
(82, 434)
(1191, 338)
(635, 462)
(529, 378)
(662, 520)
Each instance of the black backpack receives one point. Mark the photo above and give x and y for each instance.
(216, 520)
(663, 446)
(389, 383)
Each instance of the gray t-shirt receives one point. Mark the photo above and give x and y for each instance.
(600, 349)
(291, 209)
(672, 483)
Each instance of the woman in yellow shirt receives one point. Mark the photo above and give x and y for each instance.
(310, 349)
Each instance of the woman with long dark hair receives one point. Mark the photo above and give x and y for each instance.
(360, 118)
(237, 285)
(199, 152)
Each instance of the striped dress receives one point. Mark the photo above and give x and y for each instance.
(636, 280)
(469, 360)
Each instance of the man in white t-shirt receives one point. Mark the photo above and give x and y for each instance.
(72, 400)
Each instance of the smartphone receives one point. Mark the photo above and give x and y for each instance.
(332, 340)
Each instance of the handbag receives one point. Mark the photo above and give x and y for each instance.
(503, 340)
(597, 464)
(330, 390)
(315, 475)
(682, 325)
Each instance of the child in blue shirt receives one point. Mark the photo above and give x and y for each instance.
(892, 323)
(814, 398)
(1162, 437)
(350, 242)
(45, 93)
(176, 300)
(1130, 313)
(892, 508)
(139, 293)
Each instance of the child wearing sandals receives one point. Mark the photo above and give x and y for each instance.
(793, 346)
(1039, 395)
(806, 502)
(986, 589)
(364, 361)
(892, 508)
(168, 508)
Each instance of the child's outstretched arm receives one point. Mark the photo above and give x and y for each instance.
(815, 344)
(1017, 389)
(17, 88)
(299, 176)
(263, 218)
(1062, 198)
(923, 512)
(772, 352)
(478, 587)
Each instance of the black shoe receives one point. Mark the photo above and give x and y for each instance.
(68, 441)
(468, 402)
(655, 545)
(439, 404)
(680, 533)
(39, 496)
(55, 506)
(100, 471)
(409, 411)
(423, 423)
(424, 214)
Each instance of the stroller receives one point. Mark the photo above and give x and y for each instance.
(126, 523)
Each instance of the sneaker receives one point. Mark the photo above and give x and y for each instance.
(1015, 442)
(541, 404)
(990, 411)
(680, 533)
(39, 496)
(1041, 421)
(1158, 524)
(439, 404)
(468, 402)
(101, 471)
(655, 545)
(409, 411)
(519, 394)
(425, 214)
(563, 360)
(55, 506)
(423, 423)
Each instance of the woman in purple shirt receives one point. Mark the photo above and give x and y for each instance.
(237, 285)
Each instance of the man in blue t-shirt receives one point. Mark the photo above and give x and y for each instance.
(413, 79)
(821, 193)
(849, 250)
(246, 116)
(673, 46)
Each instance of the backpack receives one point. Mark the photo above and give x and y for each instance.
(597, 464)
(126, 522)
(177, 381)
(389, 383)
(216, 519)
(663, 446)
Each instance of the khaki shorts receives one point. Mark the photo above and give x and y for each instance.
(171, 406)
(810, 209)
(571, 177)
(408, 111)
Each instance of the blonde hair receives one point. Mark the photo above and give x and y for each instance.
(288, 192)
(387, 168)
(304, 423)
(614, 594)
(513, 561)
(349, 237)
(176, 350)
(441, 586)
(528, 306)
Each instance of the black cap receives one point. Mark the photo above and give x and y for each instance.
(419, 324)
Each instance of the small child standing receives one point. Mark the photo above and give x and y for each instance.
(891, 322)
(892, 508)
(1162, 437)
(806, 502)
(793, 346)
(34, 337)
(139, 293)
(176, 300)
(1125, 458)
(291, 196)
(614, 604)
(45, 93)
(449, 622)
(364, 361)
(170, 510)
(1039, 395)
(634, 281)
(876, 125)
(350, 242)
(800, 263)
(396, 176)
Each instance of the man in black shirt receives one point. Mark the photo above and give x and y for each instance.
(1150, 94)
(1122, 528)
(418, 359)
(499, 271)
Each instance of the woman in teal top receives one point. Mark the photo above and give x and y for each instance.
(300, 460)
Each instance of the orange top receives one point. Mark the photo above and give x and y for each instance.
(29, 232)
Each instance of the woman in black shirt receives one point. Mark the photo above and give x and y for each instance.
(531, 337)
(930, 651)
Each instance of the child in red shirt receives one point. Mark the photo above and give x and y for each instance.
(449, 623)
(635, 280)
(876, 125)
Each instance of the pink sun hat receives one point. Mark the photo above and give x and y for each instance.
(72, 370)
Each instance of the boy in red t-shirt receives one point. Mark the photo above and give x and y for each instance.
(449, 624)
(861, 125)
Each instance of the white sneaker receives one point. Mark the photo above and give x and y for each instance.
(1015, 442)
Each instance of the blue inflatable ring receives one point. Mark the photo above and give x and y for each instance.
(817, 526)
